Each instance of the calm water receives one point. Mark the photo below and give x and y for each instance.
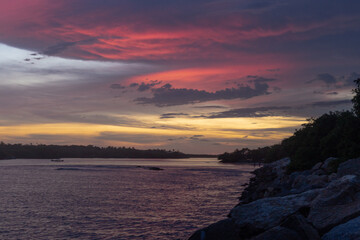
(115, 199)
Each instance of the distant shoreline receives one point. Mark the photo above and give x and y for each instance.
(42, 151)
(238, 163)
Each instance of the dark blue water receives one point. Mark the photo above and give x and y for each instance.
(115, 199)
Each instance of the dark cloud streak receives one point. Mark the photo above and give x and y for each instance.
(169, 96)
(326, 78)
(330, 103)
(249, 112)
(172, 115)
(274, 110)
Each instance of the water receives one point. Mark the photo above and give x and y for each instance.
(115, 199)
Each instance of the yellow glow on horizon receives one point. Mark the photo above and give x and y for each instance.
(235, 123)
(230, 128)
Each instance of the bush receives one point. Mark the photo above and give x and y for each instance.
(356, 98)
(331, 135)
(334, 134)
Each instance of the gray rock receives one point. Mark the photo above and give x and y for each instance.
(336, 204)
(319, 172)
(280, 163)
(272, 181)
(347, 231)
(316, 181)
(301, 226)
(267, 213)
(294, 175)
(225, 229)
(279, 167)
(317, 166)
(298, 179)
(302, 183)
(332, 177)
(326, 166)
(294, 227)
(257, 188)
(278, 233)
(350, 167)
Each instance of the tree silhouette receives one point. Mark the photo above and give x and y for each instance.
(42, 151)
(333, 134)
(356, 98)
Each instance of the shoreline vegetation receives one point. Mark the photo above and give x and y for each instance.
(311, 193)
(334, 134)
(41, 151)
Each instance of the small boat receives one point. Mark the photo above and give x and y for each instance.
(57, 160)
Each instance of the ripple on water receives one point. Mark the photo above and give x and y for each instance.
(64, 202)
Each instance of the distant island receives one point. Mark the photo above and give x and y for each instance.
(42, 151)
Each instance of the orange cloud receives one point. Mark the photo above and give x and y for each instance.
(208, 78)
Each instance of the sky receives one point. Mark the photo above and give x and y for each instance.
(204, 76)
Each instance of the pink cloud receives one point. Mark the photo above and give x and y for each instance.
(40, 24)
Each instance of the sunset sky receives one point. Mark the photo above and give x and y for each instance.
(195, 76)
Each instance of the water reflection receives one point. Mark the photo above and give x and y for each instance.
(112, 198)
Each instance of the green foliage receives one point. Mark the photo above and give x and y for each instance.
(356, 98)
(265, 154)
(334, 134)
(331, 135)
(243, 155)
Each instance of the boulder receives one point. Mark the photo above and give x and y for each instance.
(347, 231)
(258, 185)
(319, 172)
(284, 162)
(295, 183)
(326, 164)
(278, 233)
(249, 220)
(225, 229)
(336, 204)
(267, 213)
(317, 166)
(350, 167)
(294, 227)
(317, 181)
(279, 167)
(298, 181)
(301, 226)
(332, 177)
(302, 205)
(269, 181)
(302, 182)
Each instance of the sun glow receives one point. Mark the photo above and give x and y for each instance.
(210, 128)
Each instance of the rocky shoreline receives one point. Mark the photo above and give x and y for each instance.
(311, 204)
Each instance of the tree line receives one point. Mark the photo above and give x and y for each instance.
(41, 151)
(334, 134)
